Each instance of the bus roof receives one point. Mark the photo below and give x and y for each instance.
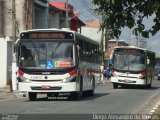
(49, 29)
(62, 30)
(133, 47)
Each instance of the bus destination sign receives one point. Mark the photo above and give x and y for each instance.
(46, 35)
(133, 51)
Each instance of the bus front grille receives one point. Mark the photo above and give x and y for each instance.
(49, 88)
(46, 80)
(126, 76)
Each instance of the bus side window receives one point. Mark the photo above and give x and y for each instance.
(80, 48)
(151, 60)
(88, 52)
(83, 51)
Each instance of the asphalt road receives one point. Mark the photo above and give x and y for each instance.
(107, 100)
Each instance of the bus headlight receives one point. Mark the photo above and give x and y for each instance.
(69, 79)
(23, 79)
(72, 77)
(113, 73)
(142, 75)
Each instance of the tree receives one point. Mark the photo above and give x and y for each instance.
(117, 14)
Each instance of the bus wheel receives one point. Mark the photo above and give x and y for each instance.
(52, 94)
(75, 95)
(149, 86)
(49, 94)
(32, 96)
(115, 86)
(91, 92)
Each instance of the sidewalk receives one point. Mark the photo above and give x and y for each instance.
(6, 95)
(104, 82)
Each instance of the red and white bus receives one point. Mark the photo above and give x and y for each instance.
(132, 66)
(54, 61)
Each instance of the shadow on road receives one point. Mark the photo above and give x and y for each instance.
(139, 87)
(67, 98)
(97, 95)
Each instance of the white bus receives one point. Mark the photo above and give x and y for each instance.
(54, 61)
(132, 66)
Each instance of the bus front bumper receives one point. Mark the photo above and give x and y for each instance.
(132, 81)
(47, 87)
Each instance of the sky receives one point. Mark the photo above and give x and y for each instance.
(82, 7)
(153, 43)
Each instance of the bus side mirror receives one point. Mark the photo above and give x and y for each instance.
(78, 48)
(148, 61)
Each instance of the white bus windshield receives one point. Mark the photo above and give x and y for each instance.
(47, 55)
(129, 62)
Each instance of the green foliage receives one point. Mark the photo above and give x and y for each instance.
(117, 14)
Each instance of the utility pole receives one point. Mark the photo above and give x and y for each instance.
(129, 37)
(1, 18)
(66, 13)
(13, 24)
(137, 38)
(13, 82)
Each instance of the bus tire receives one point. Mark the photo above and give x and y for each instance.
(52, 94)
(149, 86)
(75, 95)
(32, 96)
(49, 94)
(81, 83)
(91, 92)
(115, 86)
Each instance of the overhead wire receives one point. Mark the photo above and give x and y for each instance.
(86, 6)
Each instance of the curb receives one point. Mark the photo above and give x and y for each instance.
(153, 110)
(5, 95)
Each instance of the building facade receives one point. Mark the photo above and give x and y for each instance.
(30, 14)
(111, 45)
(92, 30)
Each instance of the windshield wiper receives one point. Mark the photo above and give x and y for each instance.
(54, 51)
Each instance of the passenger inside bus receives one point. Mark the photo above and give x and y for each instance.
(27, 57)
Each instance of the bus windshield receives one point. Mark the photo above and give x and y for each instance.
(46, 55)
(129, 62)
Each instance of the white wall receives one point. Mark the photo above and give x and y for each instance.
(92, 33)
(5, 54)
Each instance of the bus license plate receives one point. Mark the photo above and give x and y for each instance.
(33, 77)
(45, 87)
(127, 81)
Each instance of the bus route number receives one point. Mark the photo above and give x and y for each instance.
(36, 77)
